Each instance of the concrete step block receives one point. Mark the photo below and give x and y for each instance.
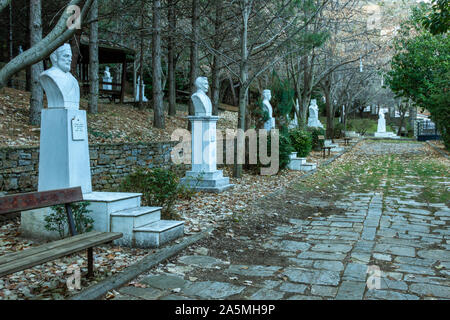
(158, 233)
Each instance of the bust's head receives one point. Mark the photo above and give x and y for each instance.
(267, 94)
(202, 84)
(62, 58)
(314, 102)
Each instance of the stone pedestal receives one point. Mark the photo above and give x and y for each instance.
(269, 124)
(64, 151)
(106, 81)
(204, 175)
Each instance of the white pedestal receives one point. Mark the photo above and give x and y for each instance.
(269, 124)
(64, 151)
(204, 175)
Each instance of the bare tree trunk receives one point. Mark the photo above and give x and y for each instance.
(93, 58)
(217, 59)
(10, 38)
(194, 54)
(329, 106)
(243, 93)
(158, 106)
(37, 94)
(75, 46)
(171, 58)
(141, 62)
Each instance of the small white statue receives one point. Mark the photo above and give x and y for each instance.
(269, 124)
(60, 86)
(107, 79)
(294, 123)
(201, 101)
(144, 98)
(381, 122)
(313, 120)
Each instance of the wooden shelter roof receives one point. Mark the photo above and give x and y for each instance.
(108, 52)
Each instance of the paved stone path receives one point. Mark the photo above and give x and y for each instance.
(388, 234)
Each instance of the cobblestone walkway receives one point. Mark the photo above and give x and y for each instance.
(390, 232)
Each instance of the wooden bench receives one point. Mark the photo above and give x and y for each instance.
(347, 140)
(28, 258)
(323, 147)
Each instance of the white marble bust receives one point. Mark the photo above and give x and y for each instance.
(107, 73)
(314, 109)
(60, 86)
(202, 103)
(313, 120)
(267, 95)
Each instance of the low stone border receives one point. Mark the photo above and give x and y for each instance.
(438, 150)
(98, 290)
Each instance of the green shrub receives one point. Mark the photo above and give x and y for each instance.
(57, 219)
(285, 150)
(301, 141)
(159, 188)
(315, 133)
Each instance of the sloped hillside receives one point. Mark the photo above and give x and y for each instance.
(114, 123)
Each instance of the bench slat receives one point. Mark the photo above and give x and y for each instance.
(45, 247)
(76, 245)
(36, 200)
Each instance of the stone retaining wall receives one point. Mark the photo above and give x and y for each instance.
(109, 164)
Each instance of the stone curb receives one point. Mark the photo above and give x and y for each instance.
(98, 290)
(438, 150)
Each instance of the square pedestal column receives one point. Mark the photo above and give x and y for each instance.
(64, 150)
(204, 175)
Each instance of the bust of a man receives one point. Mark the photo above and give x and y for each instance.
(267, 95)
(202, 103)
(60, 86)
(107, 73)
(314, 109)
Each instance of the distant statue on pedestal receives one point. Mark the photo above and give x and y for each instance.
(204, 175)
(144, 98)
(381, 122)
(269, 124)
(313, 120)
(107, 79)
(294, 123)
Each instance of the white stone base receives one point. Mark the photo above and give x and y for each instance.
(207, 182)
(113, 212)
(32, 225)
(386, 135)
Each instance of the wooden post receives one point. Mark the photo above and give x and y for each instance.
(90, 254)
(124, 79)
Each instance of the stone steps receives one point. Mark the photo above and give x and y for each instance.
(157, 233)
(300, 164)
(140, 226)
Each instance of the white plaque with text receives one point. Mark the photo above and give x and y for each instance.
(78, 129)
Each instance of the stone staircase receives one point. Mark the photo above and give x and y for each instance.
(300, 164)
(142, 227)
